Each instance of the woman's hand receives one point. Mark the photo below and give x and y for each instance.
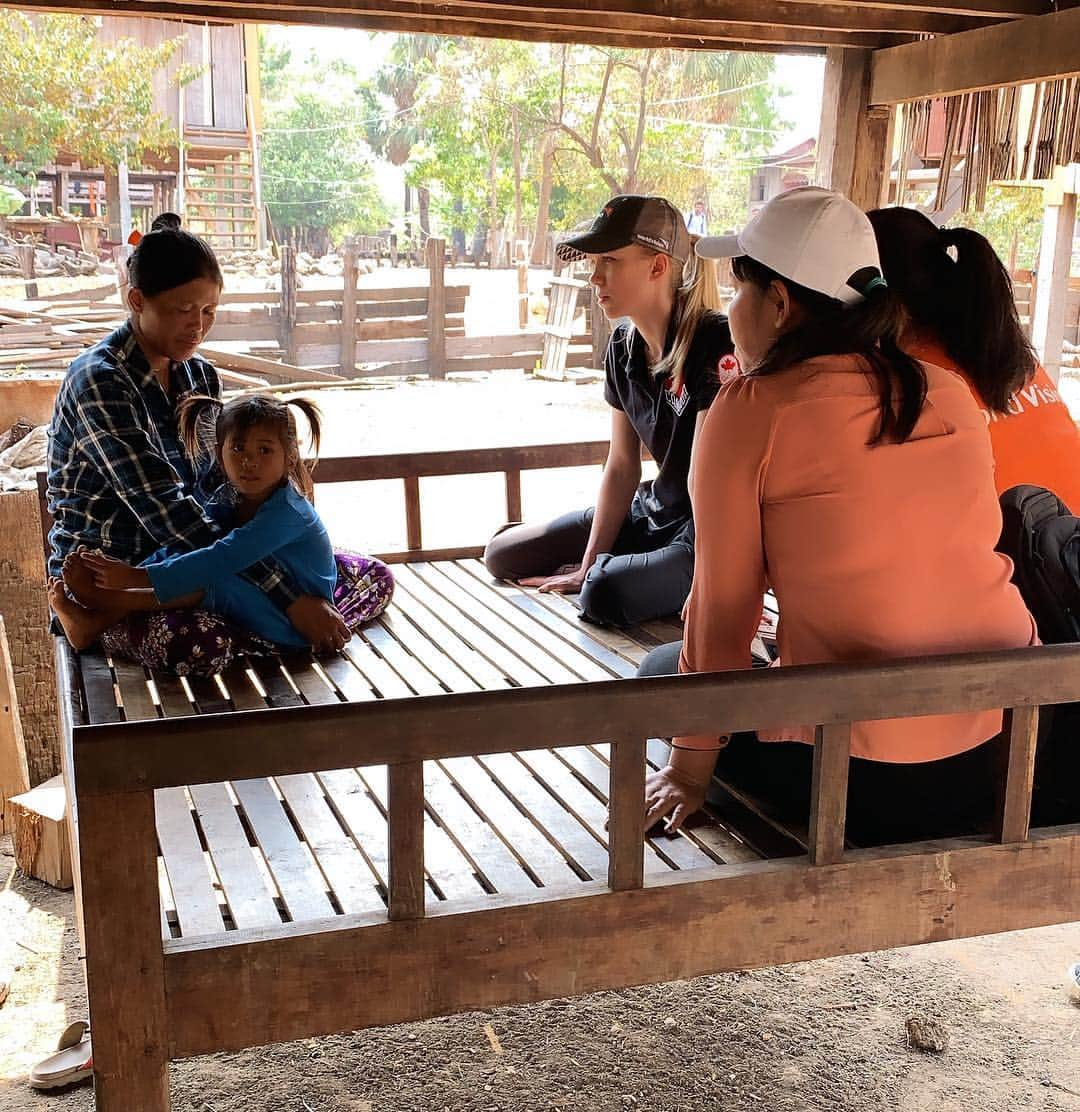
(319, 623)
(669, 794)
(568, 580)
(114, 574)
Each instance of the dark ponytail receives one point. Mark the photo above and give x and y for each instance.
(167, 257)
(966, 302)
(869, 329)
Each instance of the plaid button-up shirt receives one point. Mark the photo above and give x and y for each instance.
(119, 477)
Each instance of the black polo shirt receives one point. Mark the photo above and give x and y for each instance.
(665, 421)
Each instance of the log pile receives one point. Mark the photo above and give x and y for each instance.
(58, 261)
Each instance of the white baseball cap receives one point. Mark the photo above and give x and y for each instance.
(811, 236)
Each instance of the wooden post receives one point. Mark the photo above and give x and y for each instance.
(854, 145)
(414, 538)
(828, 793)
(124, 189)
(348, 309)
(626, 814)
(256, 173)
(14, 774)
(513, 496)
(1052, 287)
(393, 249)
(405, 817)
(436, 261)
(125, 965)
(287, 323)
(25, 252)
(1014, 815)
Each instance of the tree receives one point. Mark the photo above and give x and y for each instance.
(63, 89)
(316, 171)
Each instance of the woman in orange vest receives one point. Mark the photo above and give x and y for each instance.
(961, 315)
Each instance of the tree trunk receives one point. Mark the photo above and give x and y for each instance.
(423, 202)
(409, 246)
(539, 245)
(517, 176)
(493, 218)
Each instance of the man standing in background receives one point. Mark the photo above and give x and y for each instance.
(696, 223)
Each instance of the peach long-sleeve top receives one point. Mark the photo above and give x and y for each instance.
(874, 551)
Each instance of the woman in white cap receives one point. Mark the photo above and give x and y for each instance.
(630, 557)
(858, 483)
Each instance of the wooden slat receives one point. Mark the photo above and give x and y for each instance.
(349, 682)
(828, 793)
(134, 693)
(301, 887)
(513, 495)
(516, 829)
(581, 665)
(196, 904)
(584, 853)
(626, 826)
(384, 680)
(356, 810)
(346, 872)
(550, 667)
(405, 820)
(381, 636)
(1022, 731)
(513, 667)
(99, 688)
(250, 902)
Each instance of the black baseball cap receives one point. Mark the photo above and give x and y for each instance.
(651, 221)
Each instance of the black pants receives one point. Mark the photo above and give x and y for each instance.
(646, 575)
(887, 803)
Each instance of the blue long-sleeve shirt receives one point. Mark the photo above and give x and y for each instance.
(286, 528)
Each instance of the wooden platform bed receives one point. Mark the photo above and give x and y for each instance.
(416, 826)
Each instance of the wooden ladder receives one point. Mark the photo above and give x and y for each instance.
(219, 193)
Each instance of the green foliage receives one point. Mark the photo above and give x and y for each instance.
(61, 88)
(1010, 211)
(316, 165)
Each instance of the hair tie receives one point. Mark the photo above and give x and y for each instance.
(874, 283)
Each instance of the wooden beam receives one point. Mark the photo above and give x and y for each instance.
(287, 983)
(1036, 49)
(828, 793)
(130, 756)
(14, 774)
(853, 148)
(626, 823)
(493, 21)
(1022, 733)
(1052, 285)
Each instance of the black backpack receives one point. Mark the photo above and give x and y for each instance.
(1042, 538)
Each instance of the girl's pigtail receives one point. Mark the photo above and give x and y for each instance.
(300, 469)
(196, 418)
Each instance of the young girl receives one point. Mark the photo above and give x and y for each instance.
(961, 315)
(858, 483)
(631, 556)
(266, 506)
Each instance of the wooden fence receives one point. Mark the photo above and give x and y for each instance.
(1024, 292)
(403, 330)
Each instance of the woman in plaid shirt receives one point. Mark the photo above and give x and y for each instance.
(120, 480)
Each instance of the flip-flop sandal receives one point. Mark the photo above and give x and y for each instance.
(73, 1061)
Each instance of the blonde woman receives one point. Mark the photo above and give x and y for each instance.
(631, 556)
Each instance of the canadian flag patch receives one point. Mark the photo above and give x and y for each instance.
(728, 368)
(678, 400)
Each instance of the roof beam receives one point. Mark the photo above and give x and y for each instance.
(1040, 48)
(490, 20)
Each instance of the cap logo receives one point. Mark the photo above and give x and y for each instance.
(654, 241)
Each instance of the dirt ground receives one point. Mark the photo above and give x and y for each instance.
(825, 1036)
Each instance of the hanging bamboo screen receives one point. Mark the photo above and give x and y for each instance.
(996, 135)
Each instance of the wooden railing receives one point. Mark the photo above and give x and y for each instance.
(411, 467)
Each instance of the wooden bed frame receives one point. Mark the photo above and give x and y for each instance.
(233, 892)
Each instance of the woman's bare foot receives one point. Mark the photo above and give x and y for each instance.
(82, 626)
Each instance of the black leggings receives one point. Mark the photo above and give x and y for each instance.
(887, 802)
(646, 575)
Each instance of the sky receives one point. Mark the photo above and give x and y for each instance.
(798, 79)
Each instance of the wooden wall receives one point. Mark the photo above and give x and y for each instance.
(216, 98)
